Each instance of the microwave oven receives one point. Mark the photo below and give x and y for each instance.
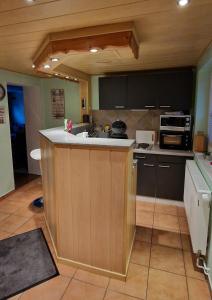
(176, 132)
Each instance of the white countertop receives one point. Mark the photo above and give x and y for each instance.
(156, 150)
(59, 136)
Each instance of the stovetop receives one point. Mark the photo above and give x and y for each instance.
(143, 146)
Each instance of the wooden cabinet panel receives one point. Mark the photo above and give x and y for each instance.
(90, 205)
(113, 92)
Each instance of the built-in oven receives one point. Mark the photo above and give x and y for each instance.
(176, 132)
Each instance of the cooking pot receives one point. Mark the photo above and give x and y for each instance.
(119, 127)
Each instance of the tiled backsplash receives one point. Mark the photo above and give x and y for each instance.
(135, 120)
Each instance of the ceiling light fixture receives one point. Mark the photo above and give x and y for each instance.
(67, 77)
(183, 3)
(46, 66)
(56, 74)
(54, 59)
(33, 66)
(93, 50)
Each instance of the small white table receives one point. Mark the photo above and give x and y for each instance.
(36, 154)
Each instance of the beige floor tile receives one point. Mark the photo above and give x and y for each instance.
(136, 283)
(28, 211)
(12, 223)
(4, 235)
(52, 289)
(78, 290)
(167, 259)
(166, 222)
(17, 297)
(189, 267)
(145, 206)
(143, 234)
(95, 279)
(166, 286)
(198, 289)
(3, 216)
(117, 296)
(183, 225)
(186, 243)
(141, 253)
(166, 238)
(65, 270)
(144, 218)
(30, 225)
(10, 207)
(166, 209)
(181, 211)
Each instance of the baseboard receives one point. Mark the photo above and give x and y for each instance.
(160, 201)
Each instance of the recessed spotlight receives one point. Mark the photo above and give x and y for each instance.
(56, 74)
(46, 66)
(94, 50)
(67, 77)
(183, 3)
(30, 1)
(54, 59)
(33, 66)
(75, 79)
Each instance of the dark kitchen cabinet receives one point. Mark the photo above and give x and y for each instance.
(142, 91)
(175, 89)
(113, 92)
(161, 176)
(170, 89)
(170, 181)
(146, 172)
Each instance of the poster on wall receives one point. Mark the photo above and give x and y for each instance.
(58, 103)
(2, 115)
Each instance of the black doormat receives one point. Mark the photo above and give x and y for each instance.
(25, 261)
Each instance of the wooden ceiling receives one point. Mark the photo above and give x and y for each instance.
(169, 36)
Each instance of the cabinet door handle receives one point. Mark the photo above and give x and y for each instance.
(149, 106)
(142, 157)
(165, 106)
(149, 165)
(119, 106)
(164, 166)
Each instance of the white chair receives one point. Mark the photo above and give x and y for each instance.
(36, 154)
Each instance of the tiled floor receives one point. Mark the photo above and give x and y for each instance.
(161, 216)
(161, 265)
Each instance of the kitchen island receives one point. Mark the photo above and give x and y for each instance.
(89, 200)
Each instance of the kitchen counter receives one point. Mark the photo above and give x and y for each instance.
(59, 136)
(156, 150)
(89, 188)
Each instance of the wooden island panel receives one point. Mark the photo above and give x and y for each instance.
(94, 229)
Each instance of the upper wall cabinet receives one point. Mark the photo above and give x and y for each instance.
(170, 89)
(113, 92)
(142, 91)
(175, 89)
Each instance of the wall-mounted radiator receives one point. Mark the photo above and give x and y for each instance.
(197, 198)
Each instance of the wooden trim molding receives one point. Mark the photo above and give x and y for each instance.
(101, 37)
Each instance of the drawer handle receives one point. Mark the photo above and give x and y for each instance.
(165, 106)
(142, 157)
(119, 106)
(164, 166)
(148, 165)
(149, 106)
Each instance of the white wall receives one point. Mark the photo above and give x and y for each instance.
(33, 113)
